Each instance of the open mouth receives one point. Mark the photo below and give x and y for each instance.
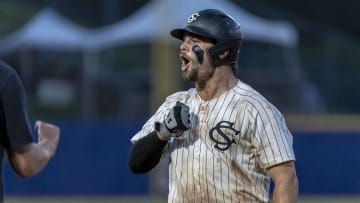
(184, 62)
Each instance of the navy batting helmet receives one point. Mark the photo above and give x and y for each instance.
(217, 26)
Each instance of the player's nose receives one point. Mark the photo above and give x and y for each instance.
(184, 46)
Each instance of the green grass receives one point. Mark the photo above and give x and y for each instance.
(154, 200)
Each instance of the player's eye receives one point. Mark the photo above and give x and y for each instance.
(195, 40)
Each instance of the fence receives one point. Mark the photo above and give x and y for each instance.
(92, 160)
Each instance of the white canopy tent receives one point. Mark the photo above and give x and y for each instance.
(152, 23)
(49, 31)
(158, 17)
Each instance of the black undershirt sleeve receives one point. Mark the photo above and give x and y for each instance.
(146, 153)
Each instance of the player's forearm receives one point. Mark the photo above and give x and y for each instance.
(286, 191)
(146, 153)
(31, 160)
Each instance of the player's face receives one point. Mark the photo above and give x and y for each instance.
(192, 69)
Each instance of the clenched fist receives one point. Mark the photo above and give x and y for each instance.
(176, 122)
(49, 134)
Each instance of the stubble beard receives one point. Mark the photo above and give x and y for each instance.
(195, 75)
(190, 75)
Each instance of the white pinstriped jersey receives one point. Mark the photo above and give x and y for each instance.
(224, 155)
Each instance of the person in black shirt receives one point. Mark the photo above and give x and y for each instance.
(26, 156)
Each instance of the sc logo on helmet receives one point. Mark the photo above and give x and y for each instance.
(193, 17)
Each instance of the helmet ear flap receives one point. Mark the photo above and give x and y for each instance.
(214, 53)
(233, 46)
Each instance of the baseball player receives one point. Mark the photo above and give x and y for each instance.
(26, 156)
(226, 142)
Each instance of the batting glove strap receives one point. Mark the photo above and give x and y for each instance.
(163, 130)
(181, 115)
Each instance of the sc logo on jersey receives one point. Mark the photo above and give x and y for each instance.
(224, 141)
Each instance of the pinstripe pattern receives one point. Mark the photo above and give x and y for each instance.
(224, 156)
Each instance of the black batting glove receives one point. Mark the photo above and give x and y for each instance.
(176, 122)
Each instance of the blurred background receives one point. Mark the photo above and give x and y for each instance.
(99, 69)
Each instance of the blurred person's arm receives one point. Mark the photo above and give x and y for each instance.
(26, 156)
(31, 158)
(285, 183)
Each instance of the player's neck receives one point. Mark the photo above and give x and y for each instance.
(216, 86)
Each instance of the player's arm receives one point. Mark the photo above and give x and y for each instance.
(146, 152)
(31, 158)
(285, 183)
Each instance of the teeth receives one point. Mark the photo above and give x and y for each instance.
(184, 65)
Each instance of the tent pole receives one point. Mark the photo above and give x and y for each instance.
(90, 64)
(163, 82)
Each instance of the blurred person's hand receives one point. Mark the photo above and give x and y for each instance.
(48, 135)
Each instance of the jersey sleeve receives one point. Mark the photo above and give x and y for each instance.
(273, 140)
(17, 130)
